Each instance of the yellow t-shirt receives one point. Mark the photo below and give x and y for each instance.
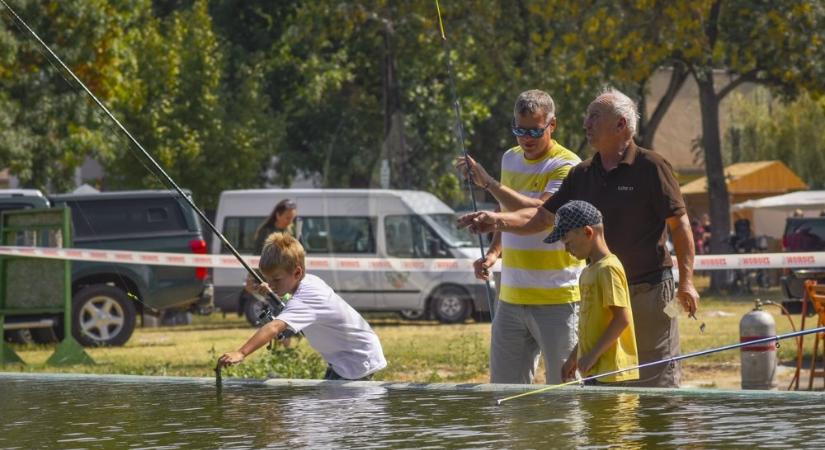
(535, 273)
(603, 284)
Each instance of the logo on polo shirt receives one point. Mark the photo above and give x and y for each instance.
(624, 188)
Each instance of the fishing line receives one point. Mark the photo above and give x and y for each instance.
(275, 300)
(776, 339)
(83, 216)
(145, 153)
(459, 130)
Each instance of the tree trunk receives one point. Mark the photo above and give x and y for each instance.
(395, 145)
(715, 170)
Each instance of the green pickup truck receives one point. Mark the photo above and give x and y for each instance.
(107, 298)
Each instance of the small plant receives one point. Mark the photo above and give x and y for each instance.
(281, 362)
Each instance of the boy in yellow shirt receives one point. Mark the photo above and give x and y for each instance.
(607, 341)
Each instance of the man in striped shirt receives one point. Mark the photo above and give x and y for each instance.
(538, 293)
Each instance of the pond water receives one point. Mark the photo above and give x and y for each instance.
(40, 411)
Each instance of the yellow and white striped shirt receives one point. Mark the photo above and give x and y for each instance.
(535, 273)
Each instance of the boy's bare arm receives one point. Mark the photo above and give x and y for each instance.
(620, 321)
(568, 370)
(261, 337)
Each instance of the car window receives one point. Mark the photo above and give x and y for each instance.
(338, 234)
(804, 235)
(117, 217)
(408, 236)
(240, 232)
(12, 206)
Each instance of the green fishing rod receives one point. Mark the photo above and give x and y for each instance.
(776, 339)
(459, 131)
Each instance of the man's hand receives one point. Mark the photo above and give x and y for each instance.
(479, 222)
(688, 297)
(469, 167)
(228, 359)
(568, 370)
(482, 266)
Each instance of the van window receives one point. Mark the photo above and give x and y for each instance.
(338, 234)
(117, 217)
(240, 232)
(409, 237)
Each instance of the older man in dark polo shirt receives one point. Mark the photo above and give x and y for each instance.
(639, 197)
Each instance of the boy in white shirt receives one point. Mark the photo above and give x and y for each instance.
(342, 337)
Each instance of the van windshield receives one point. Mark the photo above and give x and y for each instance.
(444, 225)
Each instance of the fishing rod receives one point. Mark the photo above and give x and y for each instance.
(275, 300)
(776, 339)
(460, 137)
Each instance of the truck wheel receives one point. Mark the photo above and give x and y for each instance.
(102, 315)
(451, 304)
(252, 308)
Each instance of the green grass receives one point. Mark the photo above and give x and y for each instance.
(416, 351)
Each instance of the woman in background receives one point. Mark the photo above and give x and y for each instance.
(279, 221)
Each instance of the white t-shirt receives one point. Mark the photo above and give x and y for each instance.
(334, 329)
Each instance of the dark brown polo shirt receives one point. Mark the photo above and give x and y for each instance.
(635, 198)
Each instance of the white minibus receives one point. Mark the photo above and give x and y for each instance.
(409, 227)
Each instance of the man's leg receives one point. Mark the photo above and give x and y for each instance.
(657, 335)
(513, 351)
(555, 327)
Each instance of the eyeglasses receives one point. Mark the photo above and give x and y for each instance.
(534, 133)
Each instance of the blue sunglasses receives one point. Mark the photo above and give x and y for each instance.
(534, 133)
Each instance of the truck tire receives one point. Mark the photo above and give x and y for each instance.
(451, 304)
(252, 308)
(102, 315)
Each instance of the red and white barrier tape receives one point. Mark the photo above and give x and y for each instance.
(229, 261)
(701, 262)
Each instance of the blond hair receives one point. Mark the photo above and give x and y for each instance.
(282, 251)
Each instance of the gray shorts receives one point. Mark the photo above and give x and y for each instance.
(521, 332)
(657, 335)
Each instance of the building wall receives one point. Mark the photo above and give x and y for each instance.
(682, 124)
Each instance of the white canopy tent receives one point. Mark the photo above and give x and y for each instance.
(769, 213)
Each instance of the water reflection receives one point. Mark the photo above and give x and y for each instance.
(107, 413)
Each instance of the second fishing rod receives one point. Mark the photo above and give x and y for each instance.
(460, 137)
(755, 342)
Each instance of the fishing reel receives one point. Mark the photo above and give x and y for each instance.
(271, 311)
(266, 315)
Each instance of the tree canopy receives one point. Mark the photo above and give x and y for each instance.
(244, 93)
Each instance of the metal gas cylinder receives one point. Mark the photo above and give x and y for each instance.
(759, 360)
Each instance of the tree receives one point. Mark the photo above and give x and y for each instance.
(208, 136)
(765, 127)
(778, 44)
(49, 125)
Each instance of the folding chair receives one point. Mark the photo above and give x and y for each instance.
(815, 293)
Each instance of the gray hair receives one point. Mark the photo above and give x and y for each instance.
(533, 101)
(623, 106)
